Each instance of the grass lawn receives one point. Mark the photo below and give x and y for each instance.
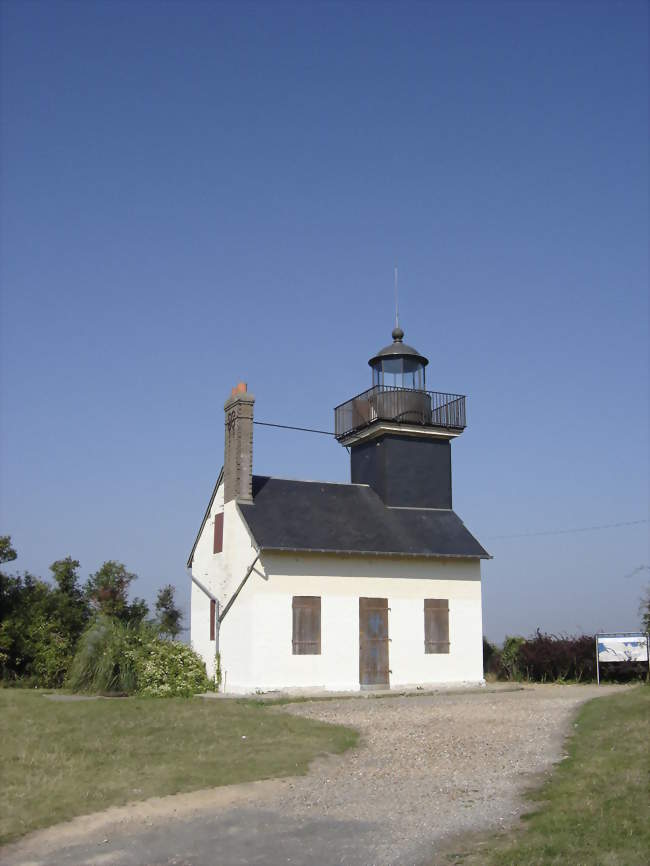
(64, 759)
(593, 811)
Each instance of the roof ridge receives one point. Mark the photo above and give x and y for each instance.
(416, 508)
(312, 481)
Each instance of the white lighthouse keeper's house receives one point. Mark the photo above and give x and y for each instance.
(372, 584)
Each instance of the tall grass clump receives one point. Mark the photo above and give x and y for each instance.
(107, 657)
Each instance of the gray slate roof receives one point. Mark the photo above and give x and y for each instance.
(350, 518)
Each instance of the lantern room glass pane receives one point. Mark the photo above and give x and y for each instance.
(392, 370)
(399, 373)
(413, 374)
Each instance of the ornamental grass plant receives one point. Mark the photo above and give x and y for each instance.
(132, 658)
(105, 660)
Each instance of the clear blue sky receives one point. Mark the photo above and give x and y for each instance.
(197, 193)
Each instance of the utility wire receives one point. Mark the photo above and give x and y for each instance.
(637, 570)
(569, 531)
(488, 537)
(289, 427)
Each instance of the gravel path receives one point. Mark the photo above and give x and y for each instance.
(428, 768)
(433, 767)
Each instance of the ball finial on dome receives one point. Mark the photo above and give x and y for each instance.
(398, 334)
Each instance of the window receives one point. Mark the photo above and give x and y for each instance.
(217, 546)
(213, 618)
(306, 625)
(436, 625)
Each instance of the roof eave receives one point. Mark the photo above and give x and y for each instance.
(399, 553)
(399, 350)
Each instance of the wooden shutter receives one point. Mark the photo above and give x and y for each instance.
(213, 617)
(436, 625)
(217, 547)
(306, 625)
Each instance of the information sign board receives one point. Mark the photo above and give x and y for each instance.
(622, 647)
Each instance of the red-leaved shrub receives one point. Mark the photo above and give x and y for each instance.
(548, 658)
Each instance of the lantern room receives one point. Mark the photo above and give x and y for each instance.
(398, 396)
(399, 365)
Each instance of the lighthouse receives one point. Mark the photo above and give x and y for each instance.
(398, 433)
(370, 584)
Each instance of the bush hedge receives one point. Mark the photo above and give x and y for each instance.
(545, 658)
(131, 658)
(170, 668)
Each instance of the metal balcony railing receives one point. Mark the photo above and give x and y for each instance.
(402, 406)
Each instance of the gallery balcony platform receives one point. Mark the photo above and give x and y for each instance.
(408, 407)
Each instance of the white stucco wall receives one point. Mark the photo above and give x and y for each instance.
(200, 628)
(221, 573)
(206, 565)
(207, 568)
(255, 637)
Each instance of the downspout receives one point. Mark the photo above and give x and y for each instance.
(213, 598)
(239, 588)
(204, 589)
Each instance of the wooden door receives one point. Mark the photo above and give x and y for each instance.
(373, 642)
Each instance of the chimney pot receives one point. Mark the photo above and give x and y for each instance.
(239, 388)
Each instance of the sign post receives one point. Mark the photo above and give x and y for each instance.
(622, 646)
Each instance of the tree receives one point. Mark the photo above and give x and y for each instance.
(644, 610)
(169, 615)
(16, 593)
(71, 609)
(7, 553)
(39, 624)
(108, 588)
(136, 612)
(33, 646)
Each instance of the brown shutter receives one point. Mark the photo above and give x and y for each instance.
(306, 625)
(217, 547)
(213, 616)
(436, 625)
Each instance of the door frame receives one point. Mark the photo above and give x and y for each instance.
(366, 605)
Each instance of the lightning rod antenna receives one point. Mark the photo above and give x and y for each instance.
(396, 302)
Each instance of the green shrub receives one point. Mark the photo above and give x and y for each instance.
(53, 652)
(510, 664)
(167, 668)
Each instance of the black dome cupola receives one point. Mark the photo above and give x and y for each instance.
(398, 365)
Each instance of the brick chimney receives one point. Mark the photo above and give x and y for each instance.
(238, 456)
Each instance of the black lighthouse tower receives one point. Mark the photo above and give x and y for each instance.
(399, 434)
